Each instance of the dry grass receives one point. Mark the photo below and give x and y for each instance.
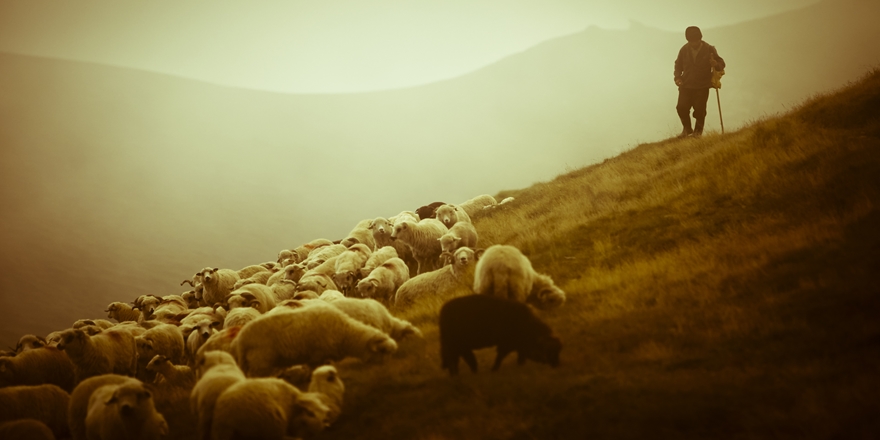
(724, 287)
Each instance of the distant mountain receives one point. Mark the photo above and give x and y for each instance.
(118, 182)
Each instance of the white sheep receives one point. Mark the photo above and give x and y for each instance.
(30, 342)
(374, 314)
(452, 214)
(166, 340)
(79, 401)
(221, 341)
(454, 279)
(257, 278)
(191, 299)
(124, 411)
(103, 324)
(168, 308)
(382, 229)
(284, 290)
(46, 403)
(113, 351)
(327, 386)
(218, 283)
(378, 257)
(504, 271)
(267, 408)
(25, 429)
(247, 272)
(477, 204)
(122, 312)
(309, 335)
(305, 250)
(38, 366)
(360, 234)
(322, 254)
(257, 296)
(383, 282)
(422, 238)
(331, 295)
(198, 333)
(348, 266)
(175, 375)
(461, 234)
(217, 371)
(316, 282)
(240, 316)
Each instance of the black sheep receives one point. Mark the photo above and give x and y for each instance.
(429, 211)
(480, 321)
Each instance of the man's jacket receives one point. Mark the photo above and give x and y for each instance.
(696, 72)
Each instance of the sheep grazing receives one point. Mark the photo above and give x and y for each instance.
(450, 280)
(166, 372)
(124, 411)
(374, 314)
(45, 403)
(309, 335)
(113, 351)
(480, 321)
(477, 204)
(267, 408)
(452, 214)
(122, 312)
(503, 271)
(461, 234)
(348, 266)
(217, 372)
(218, 283)
(429, 210)
(383, 282)
(327, 386)
(422, 238)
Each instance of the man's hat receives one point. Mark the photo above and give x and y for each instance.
(693, 33)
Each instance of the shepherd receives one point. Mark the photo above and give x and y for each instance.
(694, 68)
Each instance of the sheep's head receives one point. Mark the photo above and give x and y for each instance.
(30, 342)
(380, 226)
(131, 398)
(294, 272)
(447, 215)
(381, 345)
(367, 287)
(544, 349)
(401, 228)
(309, 416)
(192, 301)
(71, 338)
(156, 362)
(345, 281)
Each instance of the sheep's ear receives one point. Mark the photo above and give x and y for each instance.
(111, 399)
(216, 324)
(374, 282)
(478, 253)
(214, 270)
(145, 394)
(382, 344)
(254, 304)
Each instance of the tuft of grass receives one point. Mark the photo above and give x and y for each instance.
(722, 287)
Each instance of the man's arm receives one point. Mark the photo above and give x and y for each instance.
(678, 69)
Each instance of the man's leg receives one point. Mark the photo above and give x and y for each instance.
(683, 107)
(700, 100)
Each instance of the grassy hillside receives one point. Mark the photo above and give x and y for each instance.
(724, 287)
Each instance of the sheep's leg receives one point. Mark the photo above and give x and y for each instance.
(499, 357)
(470, 359)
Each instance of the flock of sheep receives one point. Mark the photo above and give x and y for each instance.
(230, 358)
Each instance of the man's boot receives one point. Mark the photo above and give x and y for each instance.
(686, 127)
(698, 128)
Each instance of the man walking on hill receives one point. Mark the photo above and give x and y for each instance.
(693, 76)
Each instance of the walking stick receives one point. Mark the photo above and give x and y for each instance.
(718, 96)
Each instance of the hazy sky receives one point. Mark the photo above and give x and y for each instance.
(322, 46)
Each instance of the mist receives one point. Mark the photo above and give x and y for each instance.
(118, 182)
